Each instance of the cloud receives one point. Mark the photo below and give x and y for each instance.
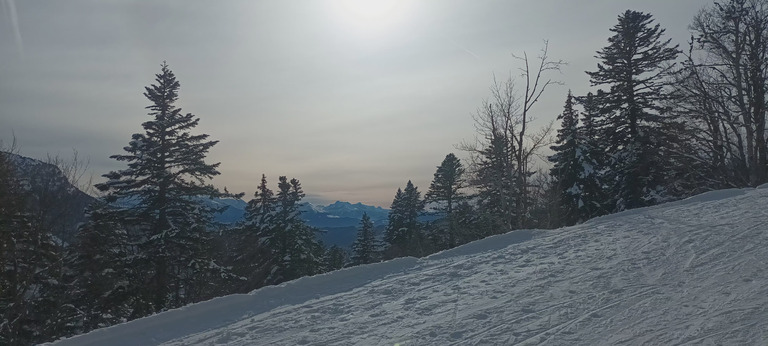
(10, 9)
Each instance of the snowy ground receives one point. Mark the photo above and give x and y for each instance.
(689, 272)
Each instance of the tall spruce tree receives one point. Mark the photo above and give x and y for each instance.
(567, 166)
(497, 191)
(577, 167)
(365, 249)
(445, 192)
(595, 201)
(635, 65)
(159, 197)
(404, 231)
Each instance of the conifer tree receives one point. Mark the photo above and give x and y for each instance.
(29, 267)
(249, 256)
(593, 179)
(567, 167)
(159, 198)
(364, 249)
(101, 278)
(403, 234)
(445, 192)
(335, 258)
(635, 65)
(290, 248)
(576, 167)
(497, 192)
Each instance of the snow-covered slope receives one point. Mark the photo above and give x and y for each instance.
(690, 272)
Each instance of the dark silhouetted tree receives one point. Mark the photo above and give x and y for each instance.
(160, 199)
(636, 125)
(445, 192)
(365, 248)
(404, 235)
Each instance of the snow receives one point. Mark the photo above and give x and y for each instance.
(687, 272)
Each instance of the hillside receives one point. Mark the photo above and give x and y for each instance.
(61, 204)
(688, 272)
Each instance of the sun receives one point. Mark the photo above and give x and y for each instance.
(371, 18)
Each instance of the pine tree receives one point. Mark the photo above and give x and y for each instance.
(30, 267)
(159, 198)
(365, 249)
(101, 276)
(594, 178)
(566, 166)
(290, 248)
(635, 65)
(576, 171)
(249, 256)
(497, 192)
(445, 192)
(404, 231)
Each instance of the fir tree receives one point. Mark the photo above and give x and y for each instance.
(403, 234)
(99, 263)
(635, 65)
(497, 192)
(250, 258)
(566, 166)
(159, 197)
(577, 168)
(30, 267)
(365, 249)
(445, 192)
(595, 200)
(290, 245)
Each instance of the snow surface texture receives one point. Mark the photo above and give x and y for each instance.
(688, 272)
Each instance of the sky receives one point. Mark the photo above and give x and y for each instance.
(353, 98)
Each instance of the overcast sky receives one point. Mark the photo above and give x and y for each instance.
(352, 101)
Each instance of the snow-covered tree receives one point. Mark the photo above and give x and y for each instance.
(159, 198)
(566, 164)
(30, 270)
(495, 178)
(99, 265)
(275, 244)
(635, 65)
(593, 179)
(248, 254)
(576, 170)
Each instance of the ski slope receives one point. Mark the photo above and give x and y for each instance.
(688, 272)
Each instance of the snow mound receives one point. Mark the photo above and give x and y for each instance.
(688, 272)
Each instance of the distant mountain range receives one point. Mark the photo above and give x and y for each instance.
(338, 221)
(338, 214)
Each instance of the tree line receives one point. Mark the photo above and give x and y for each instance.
(662, 124)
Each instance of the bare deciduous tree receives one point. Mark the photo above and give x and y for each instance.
(504, 121)
(724, 84)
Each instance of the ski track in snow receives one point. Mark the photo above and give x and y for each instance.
(690, 272)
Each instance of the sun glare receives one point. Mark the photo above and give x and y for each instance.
(371, 18)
